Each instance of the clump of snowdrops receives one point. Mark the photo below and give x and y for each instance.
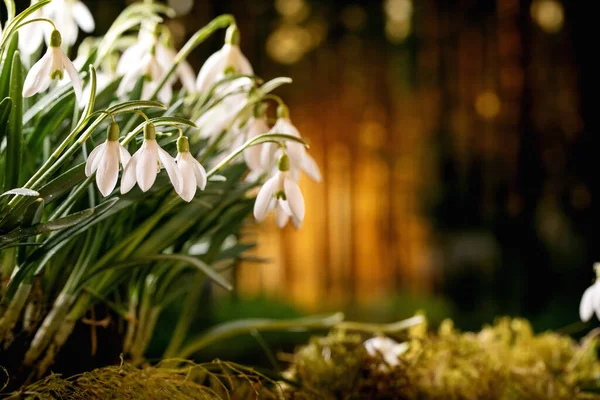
(126, 177)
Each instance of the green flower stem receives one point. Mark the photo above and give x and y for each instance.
(240, 327)
(132, 321)
(200, 36)
(265, 138)
(185, 319)
(51, 324)
(13, 311)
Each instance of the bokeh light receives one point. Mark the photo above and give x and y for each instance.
(548, 14)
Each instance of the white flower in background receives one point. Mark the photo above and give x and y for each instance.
(233, 97)
(282, 194)
(69, 15)
(156, 60)
(299, 157)
(105, 159)
(103, 79)
(590, 301)
(31, 36)
(145, 164)
(386, 348)
(228, 59)
(166, 56)
(51, 67)
(192, 172)
(255, 126)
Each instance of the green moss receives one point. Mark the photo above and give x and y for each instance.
(503, 361)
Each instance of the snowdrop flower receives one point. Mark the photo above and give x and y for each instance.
(192, 172)
(282, 194)
(145, 164)
(300, 159)
(31, 36)
(590, 301)
(105, 159)
(156, 59)
(256, 126)
(229, 57)
(51, 67)
(387, 348)
(69, 15)
(234, 97)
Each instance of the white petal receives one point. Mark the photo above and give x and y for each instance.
(264, 203)
(311, 168)
(281, 216)
(83, 17)
(92, 162)
(128, 178)
(31, 38)
(188, 180)
(596, 299)
(199, 173)
(239, 61)
(213, 66)
(294, 198)
(108, 170)
(165, 94)
(586, 307)
(131, 56)
(124, 155)
(187, 76)
(169, 163)
(296, 222)
(74, 75)
(147, 165)
(38, 79)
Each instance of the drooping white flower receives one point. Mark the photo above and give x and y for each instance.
(152, 59)
(590, 301)
(31, 36)
(228, 59)
(51, 67)
(233, 97)
(255, 126)
(388, 349)
(105, 159)
(145, 164)
(300, 160)
(69, 16)
(192, 172)
(282, 194)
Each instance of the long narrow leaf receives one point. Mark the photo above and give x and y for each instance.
(15, 126)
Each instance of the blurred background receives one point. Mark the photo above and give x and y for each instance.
(457, 140)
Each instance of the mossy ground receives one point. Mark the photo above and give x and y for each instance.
(505, 361)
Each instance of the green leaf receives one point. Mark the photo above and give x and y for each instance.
(10, 27)
(144, 261)
(63, 183)
(133, 105)
(15, 125)
(21, 192)
(5, 107)
(56, 225)
(245, 326)
(7, 64)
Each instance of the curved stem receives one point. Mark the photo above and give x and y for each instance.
(36, 20)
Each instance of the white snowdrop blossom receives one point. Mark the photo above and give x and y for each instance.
(388, 349)
(192, 172)
(69, 16)
(234, 97)
(31, 36)
(145, 164)
(282, 194)
(228, 59)
(51, 67)
(300, 160)
(255, 126)
(105, 159)
(590, 301)
(152, 59)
